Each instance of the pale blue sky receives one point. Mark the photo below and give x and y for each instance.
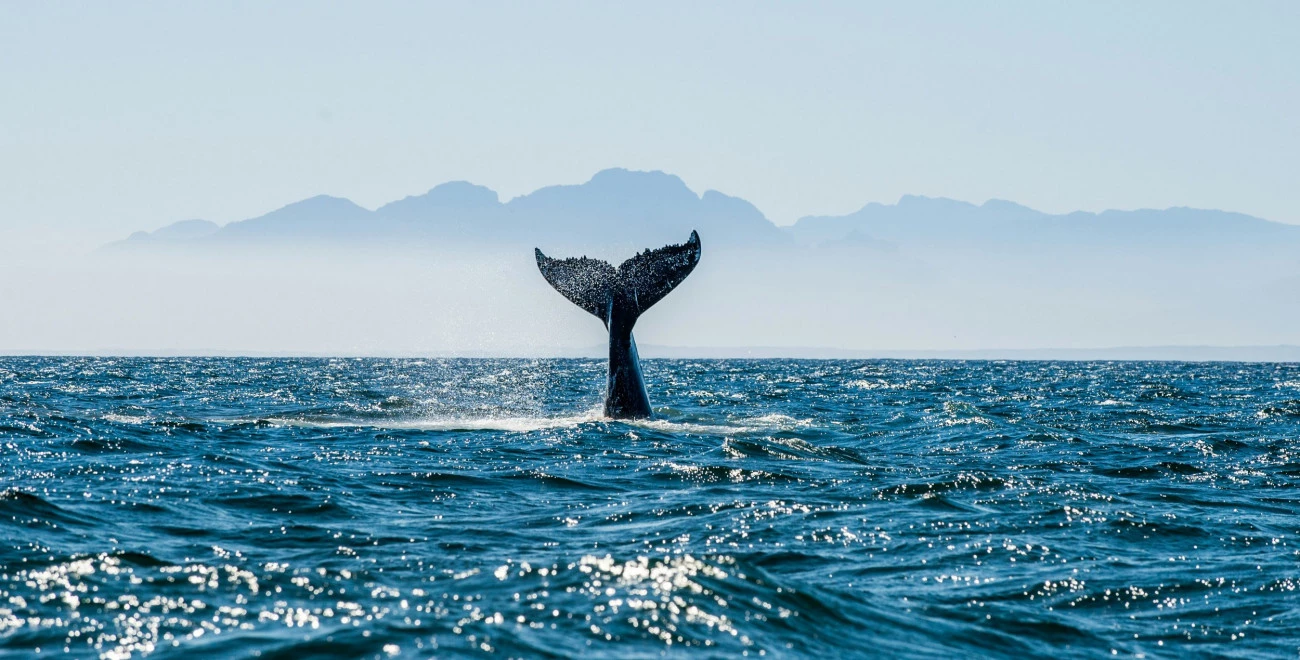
(124, 116)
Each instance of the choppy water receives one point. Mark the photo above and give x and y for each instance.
(361, 508)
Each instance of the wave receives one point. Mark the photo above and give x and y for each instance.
(530, 424)
(507, 424)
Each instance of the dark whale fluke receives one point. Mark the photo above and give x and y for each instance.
(618, 298)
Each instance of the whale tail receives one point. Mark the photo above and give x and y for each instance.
(618, 296)
(632, 288)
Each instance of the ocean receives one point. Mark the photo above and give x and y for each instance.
(227, 507)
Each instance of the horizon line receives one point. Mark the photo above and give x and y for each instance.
(1265, 353)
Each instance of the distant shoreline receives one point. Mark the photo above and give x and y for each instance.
(1279, 353)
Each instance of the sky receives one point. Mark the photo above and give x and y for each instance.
(123, 116)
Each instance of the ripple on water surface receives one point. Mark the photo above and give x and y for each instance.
(428, 507)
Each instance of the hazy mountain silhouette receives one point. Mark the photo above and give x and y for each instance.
(185, 230)
(639, 208)
(318, 218)
(923, 273)
(630, 209)
(615, 208)
(999, 226)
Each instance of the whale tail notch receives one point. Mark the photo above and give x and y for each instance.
(639, 282)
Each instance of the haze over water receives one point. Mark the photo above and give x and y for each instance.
(408, 508)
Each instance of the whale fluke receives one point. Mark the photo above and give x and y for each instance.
(618, 297)
(649, 276)
(587, 283)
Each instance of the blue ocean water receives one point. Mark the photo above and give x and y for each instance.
(782, 508)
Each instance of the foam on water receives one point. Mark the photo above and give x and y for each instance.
(520, 424)
(509, 424)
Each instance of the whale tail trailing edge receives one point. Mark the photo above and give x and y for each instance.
(633, 287)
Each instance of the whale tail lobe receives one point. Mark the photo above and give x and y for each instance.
(626, 291)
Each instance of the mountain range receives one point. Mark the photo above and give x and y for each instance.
(615, 207)
(630, 209)
(452, 270)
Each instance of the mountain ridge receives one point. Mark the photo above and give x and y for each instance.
(621, 206)
(454, 266)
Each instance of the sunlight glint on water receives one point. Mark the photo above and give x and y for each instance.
(413, 507)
